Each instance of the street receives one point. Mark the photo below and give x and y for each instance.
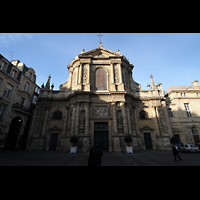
(60, 158)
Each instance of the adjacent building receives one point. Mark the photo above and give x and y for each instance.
(183, 105)
(18, 94)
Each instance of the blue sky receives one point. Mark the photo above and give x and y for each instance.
(172, 58)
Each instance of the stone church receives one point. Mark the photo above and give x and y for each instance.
(100, 103)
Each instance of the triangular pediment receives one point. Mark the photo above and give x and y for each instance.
(55, 128)
(100, 52)
(146, 128)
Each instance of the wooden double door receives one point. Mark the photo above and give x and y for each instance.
(101, 138)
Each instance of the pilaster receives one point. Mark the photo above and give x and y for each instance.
(87, 118)
(77, 118)
(80, 76)
(112, 85)
(115, 131)
(124, 114)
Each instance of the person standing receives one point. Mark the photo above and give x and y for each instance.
(97, 156)
(175, 152)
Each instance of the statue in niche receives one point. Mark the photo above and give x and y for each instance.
(119, 118)
(82, 118)
(70, 116)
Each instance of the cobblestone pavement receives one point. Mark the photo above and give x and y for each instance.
(60, 158)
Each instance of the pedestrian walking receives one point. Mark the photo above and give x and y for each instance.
(175, 152)
(91, 157)
(97, 156)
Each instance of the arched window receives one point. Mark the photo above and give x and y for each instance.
(143, 114)
(57, 115)
(101, 79)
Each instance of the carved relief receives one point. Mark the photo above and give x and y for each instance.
(101, 112)
(85, 74)
(116, 68)
(162, 120)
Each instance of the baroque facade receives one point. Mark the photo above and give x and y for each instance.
(18, 93)
(100, 103)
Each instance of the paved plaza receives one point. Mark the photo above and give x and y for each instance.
(61, 158)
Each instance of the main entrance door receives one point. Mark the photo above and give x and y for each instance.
(101, 135)
(147, 139)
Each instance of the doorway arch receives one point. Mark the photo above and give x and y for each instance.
(13, 133)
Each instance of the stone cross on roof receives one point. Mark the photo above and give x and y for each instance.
(100, 37)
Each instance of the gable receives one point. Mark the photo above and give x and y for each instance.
(100, 52)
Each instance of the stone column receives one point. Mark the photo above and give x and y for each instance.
(87, 118)
(124, 114)
(115, 131)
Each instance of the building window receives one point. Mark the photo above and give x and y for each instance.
(101, 79)
(14, 74)
(143, 114)
(181, 94)
(170, 112)
(2, 110)
(30, 75)
(22, 103)
(195, 134)
(34, 99)
(8, 91)
(57, 115)
(3, 65)
(26, 87)
(187, 108)
(184, 94)
(197, 94)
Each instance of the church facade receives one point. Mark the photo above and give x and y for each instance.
(100, 103)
